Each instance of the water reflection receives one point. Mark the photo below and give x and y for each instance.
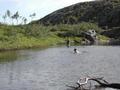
(8, 56)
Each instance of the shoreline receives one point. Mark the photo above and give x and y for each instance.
(47, 46)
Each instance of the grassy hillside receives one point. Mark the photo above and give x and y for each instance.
(106, 13)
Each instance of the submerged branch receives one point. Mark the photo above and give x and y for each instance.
(102, 83)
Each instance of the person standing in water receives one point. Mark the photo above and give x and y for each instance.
(68, 43)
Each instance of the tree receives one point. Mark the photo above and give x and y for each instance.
(4, 17)
(12, 19)
(8, 13)
(24, 20)
(16, 16)
(32, 16)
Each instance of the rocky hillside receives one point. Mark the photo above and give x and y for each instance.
(104, 12)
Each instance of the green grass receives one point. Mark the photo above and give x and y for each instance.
(29, 42)
(103, 39)
(18, 37)
(29, 36)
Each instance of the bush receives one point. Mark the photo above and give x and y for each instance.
(36, 31)
(75, 30)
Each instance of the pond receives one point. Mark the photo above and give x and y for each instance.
(54, 68)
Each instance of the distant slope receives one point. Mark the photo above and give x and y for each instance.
(103, 12)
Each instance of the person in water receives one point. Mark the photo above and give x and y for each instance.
(68, 43)
(76, 51)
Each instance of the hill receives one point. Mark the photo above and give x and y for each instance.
(106, 13)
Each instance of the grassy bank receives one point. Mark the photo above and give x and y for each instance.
(31, 42)
(29, 36)
(19, 37)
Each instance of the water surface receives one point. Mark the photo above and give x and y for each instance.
(53, 68)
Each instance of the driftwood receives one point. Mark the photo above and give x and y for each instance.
(101, 84)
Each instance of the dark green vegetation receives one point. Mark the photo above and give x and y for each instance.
(68, 23)
(103, 12)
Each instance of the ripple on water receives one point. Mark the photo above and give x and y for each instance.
(53, 68)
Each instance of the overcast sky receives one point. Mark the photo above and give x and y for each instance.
(40, 7)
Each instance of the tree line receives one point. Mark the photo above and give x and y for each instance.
(8, 16)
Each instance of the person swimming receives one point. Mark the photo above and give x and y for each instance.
(76, 51)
